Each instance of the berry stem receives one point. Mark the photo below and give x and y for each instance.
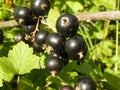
(37, 25)
(18, 79)
(62, 82)
(36, 28)
(48, 84)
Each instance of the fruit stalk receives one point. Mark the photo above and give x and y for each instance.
(88, 17)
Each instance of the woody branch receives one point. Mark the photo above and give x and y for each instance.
(86, 17)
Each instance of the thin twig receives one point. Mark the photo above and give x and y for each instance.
(88, 17)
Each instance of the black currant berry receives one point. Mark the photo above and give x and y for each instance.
(76, 47)
(19, 37)
(22, 14)
(55, 41)
(40, 7)
(85, 84)
(36, 47)
(40, 37)
(67, 25)
(1, 36)
(54, 54)
(66, 87)
(62, 55)
(29, 27)
(54, 65)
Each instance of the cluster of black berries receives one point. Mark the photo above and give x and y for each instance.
(29, 19)
(61, 46)
(65, 43)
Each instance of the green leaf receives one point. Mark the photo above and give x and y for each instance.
(52, 18)
(20, 59)
(68, 67)
(75, 6)
(107, 48)
(84, 68)
(36, 77)
(5, 75)
(4, 48)
(68, 72)
(106, 3)
(113, 80)
(24, 85)
(99, 35)
(73, 74)
(42, 60)
(54, 82)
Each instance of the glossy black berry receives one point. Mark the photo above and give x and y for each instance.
(22, 14)
(36, 47)
(1, 36)
(66, 87)
(40, 37)
(85, 84)
(29, 27)
(54, 65)
(55, 41)
(54, 54)
(40, 7)
(19, 37)
(67, 25)
(76, 47)
(62, 55)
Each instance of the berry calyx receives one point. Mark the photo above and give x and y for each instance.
(67, 25)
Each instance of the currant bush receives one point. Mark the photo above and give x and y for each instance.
(54, 50)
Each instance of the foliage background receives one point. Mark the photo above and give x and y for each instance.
(101, 62)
